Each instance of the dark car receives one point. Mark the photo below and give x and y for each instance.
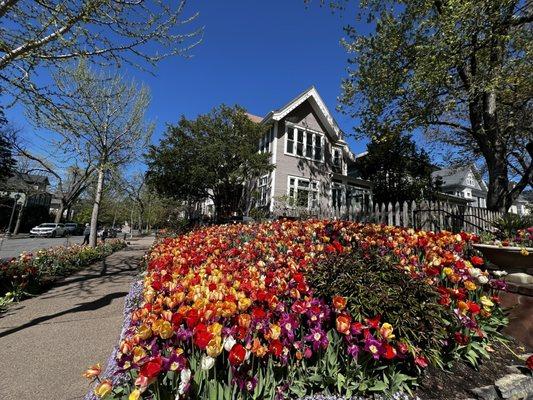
(72, 228)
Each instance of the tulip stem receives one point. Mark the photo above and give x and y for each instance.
(507, 347)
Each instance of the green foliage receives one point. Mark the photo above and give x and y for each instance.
(28, 273)
(509, 225)
(336, 373)
(398, 170)
(374, 285)
(209, 157)
(459, 70)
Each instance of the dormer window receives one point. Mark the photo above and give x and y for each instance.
(470, 179)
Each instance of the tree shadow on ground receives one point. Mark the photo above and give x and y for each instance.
(87, 306)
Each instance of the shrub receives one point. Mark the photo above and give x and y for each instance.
(373, 285)
(27, 273)
(509, 225)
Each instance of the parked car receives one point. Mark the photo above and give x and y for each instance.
(111, 232)
(48, 230)
(72, 228)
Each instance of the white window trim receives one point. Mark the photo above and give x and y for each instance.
(343, 190)
(260, 201)
(311, 181)
(305, 130)
(341, 157)
(274, 160)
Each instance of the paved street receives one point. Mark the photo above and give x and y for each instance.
(13, 247)
(46, 342)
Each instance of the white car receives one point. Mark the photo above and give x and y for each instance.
(49, 230)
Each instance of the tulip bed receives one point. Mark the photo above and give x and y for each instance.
(229, 312)
(29, 272)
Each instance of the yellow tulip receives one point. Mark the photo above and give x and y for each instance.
(144, 332)
(135, 395)
(104, 388)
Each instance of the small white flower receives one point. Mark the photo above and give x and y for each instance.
(499, 273)
(207, 362)
(229, 342)
(482, 279)
(185, 377)
(475, 272)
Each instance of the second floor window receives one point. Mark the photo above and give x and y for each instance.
(265, 142)
(304, 143)
(337, 159)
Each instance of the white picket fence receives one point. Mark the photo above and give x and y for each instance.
(434, 216)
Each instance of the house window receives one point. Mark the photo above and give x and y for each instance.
(265, 141)
(303, 192)
(336, 195)
(304, 143)
(318, 147)
(299, 142)
(290, 140)
(337, 159)
(262, 188)
(470, 180)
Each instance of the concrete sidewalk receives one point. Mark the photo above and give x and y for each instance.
(47, 342)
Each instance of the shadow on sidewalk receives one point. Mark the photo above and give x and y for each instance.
(87, 306)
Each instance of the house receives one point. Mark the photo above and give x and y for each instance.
(311, 159)
(466, 182)
(31, 186)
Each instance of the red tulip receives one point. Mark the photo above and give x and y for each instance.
(237, 355)
(152, 368)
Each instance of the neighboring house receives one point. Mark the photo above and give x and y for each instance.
(311, 160)
(35, 187)
(466, 182)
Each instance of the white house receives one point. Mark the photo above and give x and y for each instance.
(466, 182)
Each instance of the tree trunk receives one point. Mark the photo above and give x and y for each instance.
(498, 185)
(96, 207)
(59, 214)
(20, 215)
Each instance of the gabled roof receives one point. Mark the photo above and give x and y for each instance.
(456, 176)
(319, 107)
(254, 118)
(30, 179)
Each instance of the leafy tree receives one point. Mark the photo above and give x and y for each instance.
(460, 70)
(100, 119)
(398, 170)
(7, 162)
(213, 156)
(46, 34)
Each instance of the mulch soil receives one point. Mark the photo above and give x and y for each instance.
(456, 383)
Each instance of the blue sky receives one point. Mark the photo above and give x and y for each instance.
(258, 54)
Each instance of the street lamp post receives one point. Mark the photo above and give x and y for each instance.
(16, 198)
